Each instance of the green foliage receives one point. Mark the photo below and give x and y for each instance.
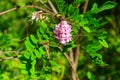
(90, 76)
(107, 5)
(40, 56)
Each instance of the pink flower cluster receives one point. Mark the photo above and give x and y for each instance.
(62, 32)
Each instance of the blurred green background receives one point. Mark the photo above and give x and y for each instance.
(15, 26)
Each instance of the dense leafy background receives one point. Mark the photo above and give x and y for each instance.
(15, 27)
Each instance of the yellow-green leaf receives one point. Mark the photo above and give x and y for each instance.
(103, 43)
(87, 29)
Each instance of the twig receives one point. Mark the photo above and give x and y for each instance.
(8, 58)
(28, 6)
(71, 55)
(53, 8)
(71, 64)
(44, 4)
(4, 12)
(47, 50)
(40, 8)
(77, 56)
(72, 59)
(85, 6)
(16, 52)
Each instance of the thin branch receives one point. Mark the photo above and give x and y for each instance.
(40, 8)
(85, 6)
(10, 10)
(77, 56)
(71, 64)
(28, 6)
(47, 50)
(16, 52)
(71, 55)
(44, 4)
(72, 59)
(52, 6)
(8, 58)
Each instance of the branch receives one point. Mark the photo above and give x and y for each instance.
(44, 4)
(40, 8)
(71, 64)
(53, 8)
(12, 9)
(77, 56)
(85, 6)
(8, 58)
(72, 59)
(16, 52)
(28, 6)
(47, 50)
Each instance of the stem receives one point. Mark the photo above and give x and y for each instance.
(74, 58)
(40, 8)
(8, 58)
(52, 6)
(4, 12)
(72, 67)
(77, 54)
(16, 52)
(44, 4)
(85, 6)
(47, 51)
(28, 6)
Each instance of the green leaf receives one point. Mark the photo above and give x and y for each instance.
(107, 5)
(43, 27)
(37, 53)
(94, 8)
(41, 50)
(89, 75)
(93, 47)
(97, 59)
(24, 71)
(27, 55)
(38, 33)
(103, 43)
(53, 63)
(87, 29)
(29, 48)
(33, 57)
(34, 40)
(32, 70)
(29, 45)
(21, 3)
(22, 66)
(43, 24)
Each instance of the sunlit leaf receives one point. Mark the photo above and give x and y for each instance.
(87, 29)
(34, 40)
(103, 43)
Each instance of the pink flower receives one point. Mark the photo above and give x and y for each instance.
(62, 32)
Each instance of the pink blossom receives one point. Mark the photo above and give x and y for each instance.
(62, 32)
